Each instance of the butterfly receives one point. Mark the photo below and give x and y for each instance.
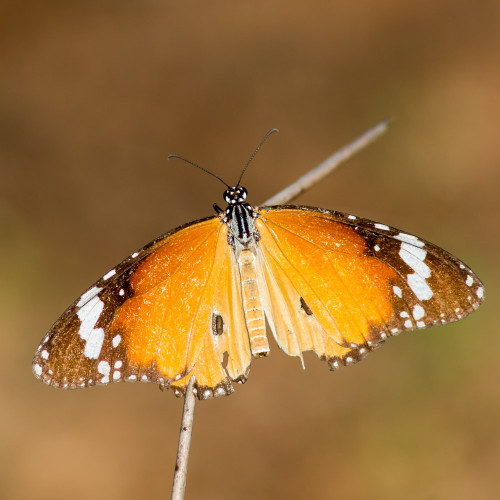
(194, 302)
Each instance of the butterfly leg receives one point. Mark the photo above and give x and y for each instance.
(218, 210)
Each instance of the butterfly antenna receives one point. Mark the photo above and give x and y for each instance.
(196, 165)
(255, 152)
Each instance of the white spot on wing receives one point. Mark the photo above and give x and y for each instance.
(415, 257)
(418, 312)
(108, 275)
(88, 315)
(118, 364)
(409, 238)
(220, 391)
(397, 291)
(121, 293)
(381, 226)
(45, 354)
(419, 287)
(94, 342)
(37, 369)
(480, 292)
(134, 255)
(408, 323)
(116, 340)
(88, 295)
(469, 281)
(104, 368)
(352, 217)
(116, 375)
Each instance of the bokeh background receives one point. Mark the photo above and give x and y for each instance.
(94, 95)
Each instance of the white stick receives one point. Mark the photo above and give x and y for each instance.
(323, 169)
(184, 443)
(292, 191)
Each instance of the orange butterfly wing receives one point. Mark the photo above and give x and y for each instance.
(332, 283)
(340, 285)
(170, 311)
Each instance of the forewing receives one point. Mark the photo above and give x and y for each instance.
(351, 282)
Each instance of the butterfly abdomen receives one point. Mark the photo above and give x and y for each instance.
(252, 304)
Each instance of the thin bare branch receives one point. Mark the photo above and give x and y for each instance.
(184, 442)
(323, 169)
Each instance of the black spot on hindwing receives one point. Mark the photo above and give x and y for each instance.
(305, 307)
(217, 324)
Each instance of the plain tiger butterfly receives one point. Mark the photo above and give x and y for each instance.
(195, 300)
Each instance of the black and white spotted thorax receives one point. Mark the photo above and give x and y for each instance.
(240, 216)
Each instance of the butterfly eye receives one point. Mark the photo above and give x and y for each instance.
(235, 195)
(242, 194)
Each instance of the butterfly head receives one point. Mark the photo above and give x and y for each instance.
(235, 195)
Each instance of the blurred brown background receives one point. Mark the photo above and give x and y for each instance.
(94, 95)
